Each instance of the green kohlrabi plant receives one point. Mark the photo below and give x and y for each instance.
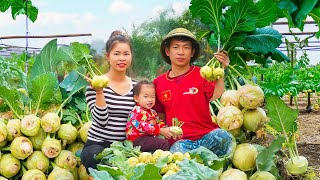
(79, 56)
(284, 121)
(239, 27)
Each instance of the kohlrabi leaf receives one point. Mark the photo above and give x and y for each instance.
(283, 118)
(192, 170)
(45, 61)
(304, 9)
(315, 14)
(263, 40)
(11, 98)
(268, 13)
(203, 154)
(241, 17)
(42, 88)
(288, 8)
(266, 158)
(73, 82)
(279, 56)
(113, 171)
(100, 175)
(150, 172)
(65, 55)
(209, 11)
(80, 51)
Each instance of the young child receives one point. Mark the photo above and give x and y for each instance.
(144, 124)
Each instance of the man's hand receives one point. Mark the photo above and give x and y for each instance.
(166, 133)
(223, 57)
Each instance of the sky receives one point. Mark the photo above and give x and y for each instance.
(100, 18)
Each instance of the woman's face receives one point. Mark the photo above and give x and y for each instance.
(120, 56)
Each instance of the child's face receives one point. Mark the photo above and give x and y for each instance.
(146, 97)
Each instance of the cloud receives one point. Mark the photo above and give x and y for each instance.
(7, 20)
(55, 18)
(119, 6)
(180, 7)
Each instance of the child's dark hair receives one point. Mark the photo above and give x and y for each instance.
(117, 36)
(137, 87)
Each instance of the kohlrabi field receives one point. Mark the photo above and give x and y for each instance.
(270, 104)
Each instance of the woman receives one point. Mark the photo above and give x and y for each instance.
(110, 106)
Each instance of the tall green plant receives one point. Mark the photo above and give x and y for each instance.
(20, 7)
(297, 12)
(238, 27)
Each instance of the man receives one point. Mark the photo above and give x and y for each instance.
(182, 93)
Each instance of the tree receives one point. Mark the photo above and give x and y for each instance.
(20, 7)
(147, 37)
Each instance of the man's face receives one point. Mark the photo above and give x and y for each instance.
(180, 52)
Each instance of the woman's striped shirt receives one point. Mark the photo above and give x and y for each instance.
(109, 122)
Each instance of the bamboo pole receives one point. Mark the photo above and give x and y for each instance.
(45, 36)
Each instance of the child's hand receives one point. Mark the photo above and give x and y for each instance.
(153, 122)
(166, 133)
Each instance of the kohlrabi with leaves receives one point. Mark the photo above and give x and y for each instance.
(176, 127)
(37, 160)
(262, 175)
(67, 133)
(30, 125)
(59, 173)
(50, 122)
(230, 98)
(284, 121)
(51, 147)
(83, 132)
(212, 71)
(9, 165)
(254, 119)
(3, 131)
(14, 129)
(237, 27)
(21, 147)
(33, 174)
(38, 139)
(232, 174)
(228, 117)
(244, 157)
(82, 58)
(66, 159)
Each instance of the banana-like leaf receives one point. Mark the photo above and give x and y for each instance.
(241, 17)
(268, 13)
(42, 89)
(11, 98)
(263, 41)
(315, 14)
(46, 61)
(283, 118)
(305, 7)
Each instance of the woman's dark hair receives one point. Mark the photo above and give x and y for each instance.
(137, 87)
(115, 37)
